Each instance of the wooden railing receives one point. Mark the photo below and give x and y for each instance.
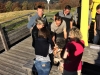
(12, 32)
(3, 40)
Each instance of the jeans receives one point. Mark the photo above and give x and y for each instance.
(43, 68)
(97, 37)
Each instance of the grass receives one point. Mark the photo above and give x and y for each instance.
(16, 22)
(11, 15)
(51, 14)
(17, 25)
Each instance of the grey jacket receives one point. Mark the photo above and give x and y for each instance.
(32, 21)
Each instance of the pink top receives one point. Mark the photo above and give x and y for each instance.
(75, 50)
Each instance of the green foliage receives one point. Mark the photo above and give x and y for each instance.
(39, 3)
(2, 7)
(25, 5)
(17, 9)
(8, 6)
(31, 5)
(16, 6)
(54, 6)
(18, 22)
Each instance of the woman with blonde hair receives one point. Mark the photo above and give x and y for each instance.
(73, 53)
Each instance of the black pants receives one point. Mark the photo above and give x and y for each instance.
(52, 59)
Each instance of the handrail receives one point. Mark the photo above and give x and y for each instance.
(3, 39)
(17, 18)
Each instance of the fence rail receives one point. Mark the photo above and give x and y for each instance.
(12, 33)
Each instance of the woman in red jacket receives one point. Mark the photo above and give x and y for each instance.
(73, 53)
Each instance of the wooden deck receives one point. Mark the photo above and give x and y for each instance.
(11, 61)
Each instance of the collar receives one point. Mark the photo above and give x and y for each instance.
(43, 16)
(66, 14)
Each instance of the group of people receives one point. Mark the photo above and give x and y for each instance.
(46, 39)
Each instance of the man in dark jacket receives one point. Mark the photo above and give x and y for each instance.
(67, 17)
(97, 26)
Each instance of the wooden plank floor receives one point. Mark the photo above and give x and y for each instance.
(11, 62)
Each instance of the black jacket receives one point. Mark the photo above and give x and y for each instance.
(40, 44)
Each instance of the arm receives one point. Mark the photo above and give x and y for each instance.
(71, 24)
(75, 16)
(65, 33)
(95, 29)
(52, 33)
(51, 42)
(88, 27)
(90, 20)
(33, 38)
(65, 54)
(32, 22)
(64, 30)
(53, 39)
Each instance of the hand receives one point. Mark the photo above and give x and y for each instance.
(31, 29)
(95, 32)
(88, 27)
(56, 46)
(76, 23)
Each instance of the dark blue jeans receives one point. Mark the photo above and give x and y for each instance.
(97, 37)
(43, 68)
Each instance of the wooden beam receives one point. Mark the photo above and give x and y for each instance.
(3, 39)
(84, 20)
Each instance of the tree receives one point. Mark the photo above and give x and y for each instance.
(8, 6)
(72, 3)
(2, 7)
(54, 6)
(16, 6)
(30, 5)
(17, 9)
(39, 3)
(25, 5)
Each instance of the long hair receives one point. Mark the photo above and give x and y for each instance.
(77, 37)
(77, 34)
(44, 33)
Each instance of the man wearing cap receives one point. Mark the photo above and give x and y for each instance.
(39, 14)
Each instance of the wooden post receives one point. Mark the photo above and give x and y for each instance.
(3, 39)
